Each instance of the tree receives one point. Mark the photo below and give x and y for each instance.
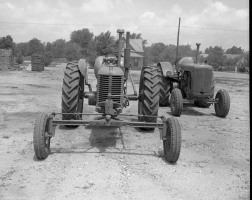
(58, 47)
(157, 52)
(104, 44)
(85, 39)
(36, 46)
(6, 42)
(21, 48)
(235, 50)
(48, 46)
(185, 50)
(72, 51)
(48, 57)
(216, 57)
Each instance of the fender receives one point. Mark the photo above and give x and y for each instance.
(166, 68)
(97, 65)
(82, 65)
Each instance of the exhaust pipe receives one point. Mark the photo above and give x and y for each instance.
(127, 56)
(197, 52)
(120, 31)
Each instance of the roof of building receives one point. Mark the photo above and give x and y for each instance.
(204, 55)
(136, 45)
(134, 55)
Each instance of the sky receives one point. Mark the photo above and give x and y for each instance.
(223, 23)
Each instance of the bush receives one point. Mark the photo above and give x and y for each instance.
(48, 58)
(19, 59)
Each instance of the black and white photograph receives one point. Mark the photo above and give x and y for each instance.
(124, 100)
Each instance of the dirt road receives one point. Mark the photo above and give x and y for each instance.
(121, 164)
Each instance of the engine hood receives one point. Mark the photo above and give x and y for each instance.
(111, 71)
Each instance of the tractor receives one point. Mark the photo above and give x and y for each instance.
(112, 73)
(192, 81)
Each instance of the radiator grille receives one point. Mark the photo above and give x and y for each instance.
(104, 87)
(203, 80)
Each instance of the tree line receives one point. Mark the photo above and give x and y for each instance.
(84, 44)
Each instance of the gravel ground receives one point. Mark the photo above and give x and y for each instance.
(110, 163)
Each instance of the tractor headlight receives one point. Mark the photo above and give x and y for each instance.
(168, 73)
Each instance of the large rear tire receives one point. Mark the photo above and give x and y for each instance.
(223, 105)
(72, 89)
(172, 142)
(41, 140)
(149, 87)
(176, 102)
(165, 87)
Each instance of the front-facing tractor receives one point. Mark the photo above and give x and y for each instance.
(109, 100)
(192, 81)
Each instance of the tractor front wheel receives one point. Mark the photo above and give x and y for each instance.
(149, 87)
(172, 142)
(176, 102)
(41, 139)
(223, 105)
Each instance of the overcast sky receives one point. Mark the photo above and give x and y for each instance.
(222, 23)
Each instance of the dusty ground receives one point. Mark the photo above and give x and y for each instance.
(121, 164)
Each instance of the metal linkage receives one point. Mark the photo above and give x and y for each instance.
(127, 115)
(105, 122)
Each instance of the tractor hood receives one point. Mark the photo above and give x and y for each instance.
(201, 78)
(110, 70)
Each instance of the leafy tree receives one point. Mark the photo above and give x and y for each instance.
(209, 50)
(185, 50)
(6, 42)
(85, 39)
(48, 57)
(58, 47)
(235, 50)
(72, 51)
(104, 44)
(19, 59)
(243, 63)
(158, 52)
(216, 57)
(35, 46)
(22, 48)
(48, 46)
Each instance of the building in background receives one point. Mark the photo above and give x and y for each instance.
(136, 53)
